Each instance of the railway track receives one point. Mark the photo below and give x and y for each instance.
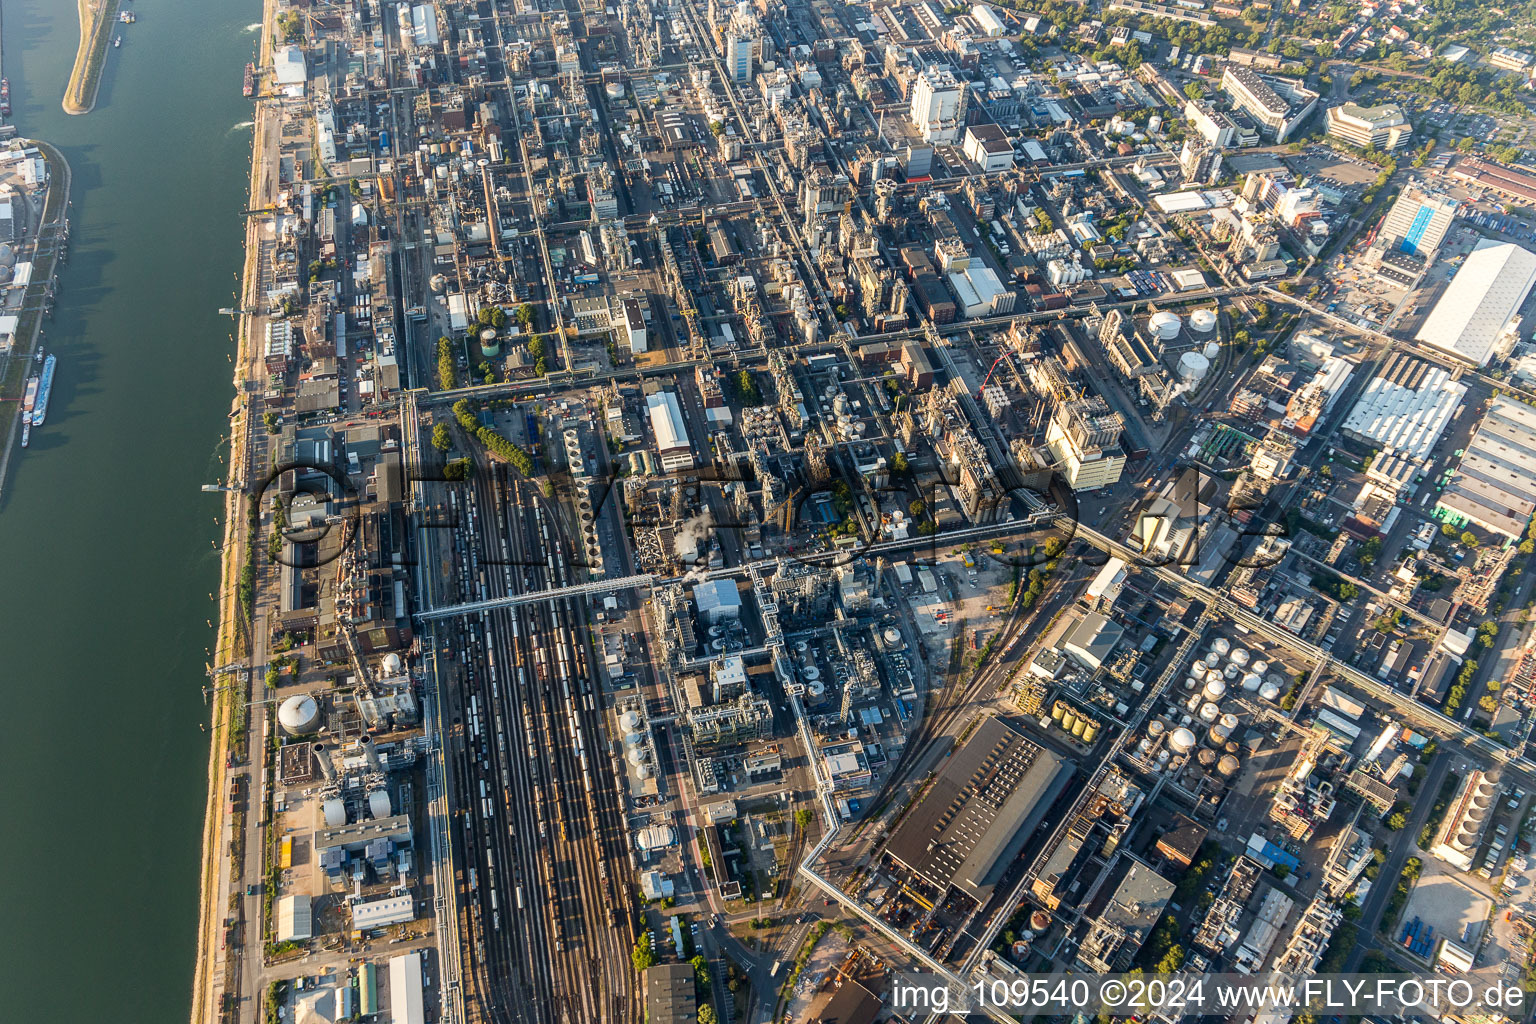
(546, 859)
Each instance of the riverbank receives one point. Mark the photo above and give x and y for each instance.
(216, 982)
(91, 55)
(51, 226)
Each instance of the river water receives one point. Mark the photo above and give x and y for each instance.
(106, 557)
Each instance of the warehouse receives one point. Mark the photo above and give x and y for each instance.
(1475, 317)
(1405, 407)
(1495, 485)
(672, 445)
(985, 803)
(407, 1001)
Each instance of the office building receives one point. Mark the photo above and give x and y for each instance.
(938, 104)
(988, 147)
(1278, 104)
(1417, 222)
(1084, 437)
(1476, 318)
(1384, 127)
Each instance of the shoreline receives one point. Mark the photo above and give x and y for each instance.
(59, 224)
(90, 56)
(209, 983)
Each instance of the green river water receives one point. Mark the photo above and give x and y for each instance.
(106, 557)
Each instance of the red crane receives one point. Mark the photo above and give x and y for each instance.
(990, 370)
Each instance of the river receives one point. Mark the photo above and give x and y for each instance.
(106, 556)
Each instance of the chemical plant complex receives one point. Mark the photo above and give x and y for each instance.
(745, 500)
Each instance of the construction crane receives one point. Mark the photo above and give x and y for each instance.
(991, 370)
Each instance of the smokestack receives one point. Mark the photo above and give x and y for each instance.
(365, 745)
(323, 759)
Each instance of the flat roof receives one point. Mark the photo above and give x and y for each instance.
(1480, 301)
(985, 799)
(407, 1002)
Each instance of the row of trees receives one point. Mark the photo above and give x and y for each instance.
(494, 443)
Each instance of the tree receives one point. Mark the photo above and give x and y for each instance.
(899, 464)
(269, 420)
(707, 1014)
(1447, 529)
(1171, 961)
(440, 439)
(1193, 91)
(700, 965)
(1469, 538)
(917, 507)
(642, 956)
(536, 347)
(803, 818)
(447, 378)
(524, 315)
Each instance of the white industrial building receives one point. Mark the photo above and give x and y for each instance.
(384, 912)
(634, 325)
(407, 1000)
(938, 105)
(1476, 317)
(295, 919)
(1405, 407)
(1495, 484)
(288, 66)
(672, 445)
(718, 601)
(987, 146)
(989, 23)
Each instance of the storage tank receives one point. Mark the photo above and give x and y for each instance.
(1165, 324)
(1079, 727)
(1182, 741)
(1194, 702)
(1209, 712)
(1269, 692)
(1193, 367)
(1058, 710)
(335, 812)
(1228, 765)
(892, 636)
(1215, 689)
(1191, 683)
(1143, 746)
(488, 343)
(1202, 321)
(1198, 670)
(1252, 681)
(1239, 656)
(1260, 666)
(1211, 350)
(1233, 672)
(1156, 728)
(1212, 660)
(1039, 920)
(615, 90)
(1206, 757)
(1090, 731)
(378, 804)
(299, 715)
(629, 721)
(637, 756)
(393, 665)
(1221, 646)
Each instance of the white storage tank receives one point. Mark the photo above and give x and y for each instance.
(1191, 683)
(1193, 367)
(1182, 741)
(1202, 321)
(1269, 691)
(1211, 350)
(1260, 666)
(1233, 672)
(1239, 656)
(1198, 670)
(1165, 324)
(1252, 681)
(1215, 689)
(1212, 660)
(299, 715)
(630, 721)
(1221, 646)
(1209, 712)
(1156, 728)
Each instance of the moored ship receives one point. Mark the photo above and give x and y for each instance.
(5, 97)
(29, 399)
(40, 410)
(250, 80)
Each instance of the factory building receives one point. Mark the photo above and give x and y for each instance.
(988, 147)
(983, 806)
(1384, 127)
(1121, 916)
(1476, 318)
(672, 445)
(1405, 407)
(1278, 104)
(1495, 485)
(938, 104)
(1084, 438)
(1417, 222)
